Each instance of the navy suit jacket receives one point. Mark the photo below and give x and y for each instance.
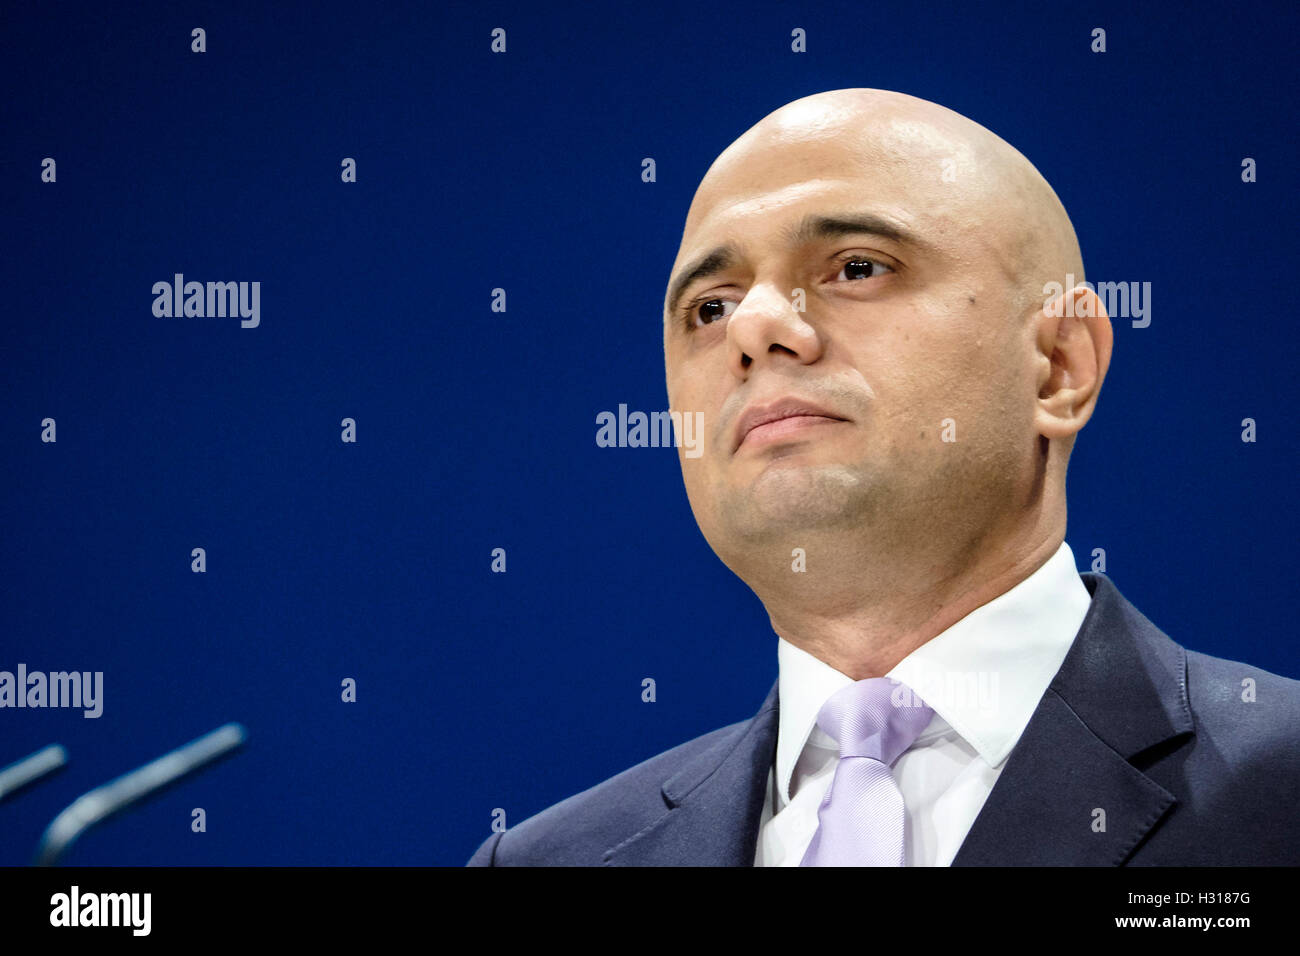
(1158, 737)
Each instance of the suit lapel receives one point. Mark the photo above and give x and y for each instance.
(1120, 692)
(713, 803)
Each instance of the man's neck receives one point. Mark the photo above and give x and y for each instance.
(864, 624)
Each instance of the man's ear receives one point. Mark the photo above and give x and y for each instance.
(1074, 343)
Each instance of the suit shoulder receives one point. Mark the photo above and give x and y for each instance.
(1220, 682)
(578, 830)
(1248, 711)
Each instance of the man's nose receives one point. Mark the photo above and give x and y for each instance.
(767, 328)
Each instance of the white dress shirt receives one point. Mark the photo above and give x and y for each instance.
(984, 676)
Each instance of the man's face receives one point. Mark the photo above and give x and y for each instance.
(907, 336)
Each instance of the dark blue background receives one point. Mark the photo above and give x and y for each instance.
(476, 429)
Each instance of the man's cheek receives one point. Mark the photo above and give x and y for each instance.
(693, 473)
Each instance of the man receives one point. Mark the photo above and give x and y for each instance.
(890, 403)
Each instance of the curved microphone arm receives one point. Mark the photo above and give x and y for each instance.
(102, 802)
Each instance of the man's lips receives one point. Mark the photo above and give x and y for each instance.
(780, 419)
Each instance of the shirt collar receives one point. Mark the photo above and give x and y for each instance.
(983, 676)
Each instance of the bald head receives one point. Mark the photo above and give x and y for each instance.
(858, 312)
(969, 178)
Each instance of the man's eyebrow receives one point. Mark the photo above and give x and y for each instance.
(711, 263)
(810, 228)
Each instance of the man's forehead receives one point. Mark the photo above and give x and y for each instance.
(782, 214)
(895, 163)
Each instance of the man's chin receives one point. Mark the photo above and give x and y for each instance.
(788, 496)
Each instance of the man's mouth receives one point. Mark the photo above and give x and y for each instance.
(781, 420)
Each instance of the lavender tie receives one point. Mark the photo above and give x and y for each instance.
(861, 819)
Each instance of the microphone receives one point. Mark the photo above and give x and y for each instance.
(102, 802)
(31, 768)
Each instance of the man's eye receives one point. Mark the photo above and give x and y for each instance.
(707, 311)
(861, 267)
(704, 312)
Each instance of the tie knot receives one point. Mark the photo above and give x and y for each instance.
(878, 717)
